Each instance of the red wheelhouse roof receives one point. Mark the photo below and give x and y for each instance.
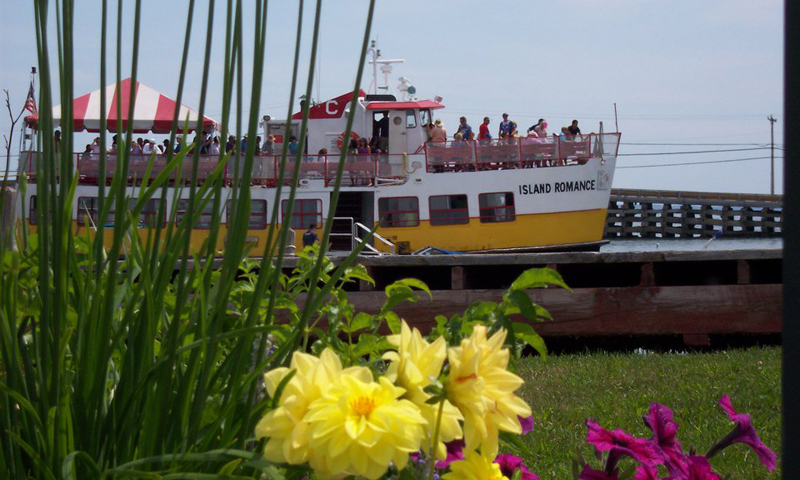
(403, 105)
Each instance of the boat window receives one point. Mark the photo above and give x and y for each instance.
(149, 214)
(304, 213)
(87, 208)
(204, 221)
(449, 210)
(425, 116)
(258, 214)
(411, 119)
(32, 211)
(496, 207)
(398, 211)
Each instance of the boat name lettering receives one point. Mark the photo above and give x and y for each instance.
(558, 187)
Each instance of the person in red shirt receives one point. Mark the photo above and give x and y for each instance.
(483, 132)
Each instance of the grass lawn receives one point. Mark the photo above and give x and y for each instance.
(617, 389)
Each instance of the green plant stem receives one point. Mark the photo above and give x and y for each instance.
(435, 440)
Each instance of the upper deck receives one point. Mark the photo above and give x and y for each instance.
(359, 170)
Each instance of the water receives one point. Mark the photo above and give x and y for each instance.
(691, 244)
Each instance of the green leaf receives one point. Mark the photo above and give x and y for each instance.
(360, 322)
(413, 282)
(358, 272)
(366, 344)
(523, 301)
(393, 321)
(538, 278)
(527, 334)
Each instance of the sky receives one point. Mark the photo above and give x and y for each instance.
(685, 76)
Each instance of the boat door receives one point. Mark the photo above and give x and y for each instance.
(398, 139)
(352, 208)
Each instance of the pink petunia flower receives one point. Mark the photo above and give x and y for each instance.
(743, 433)
(589, 473)
(644, 472)
(510, 464)
(455, 451)
(659, 421)
(526, 423)
(619, 443)
(698, 468)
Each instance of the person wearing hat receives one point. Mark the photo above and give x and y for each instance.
(438, 133)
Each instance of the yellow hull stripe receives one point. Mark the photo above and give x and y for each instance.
(533, 230)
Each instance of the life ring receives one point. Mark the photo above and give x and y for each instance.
(340, 139)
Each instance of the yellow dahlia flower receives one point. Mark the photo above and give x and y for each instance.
(474, 467)
(285, 427)
(480, 385)
(358, 426)
(411, 367)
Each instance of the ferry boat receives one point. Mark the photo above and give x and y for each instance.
(512, 194)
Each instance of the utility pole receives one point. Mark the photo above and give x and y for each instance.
(772, 121)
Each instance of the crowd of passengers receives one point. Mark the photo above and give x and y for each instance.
(437, 134)
(507, 131)
(209, 145)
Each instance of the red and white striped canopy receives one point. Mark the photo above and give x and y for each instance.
(152, 111)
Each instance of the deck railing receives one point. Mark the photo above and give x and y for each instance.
(361, 170)
(523, 152)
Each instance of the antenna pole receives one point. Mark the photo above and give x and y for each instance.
(374, 53)
(772, 121)
(616, 122)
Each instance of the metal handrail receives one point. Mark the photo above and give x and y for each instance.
(358, 225)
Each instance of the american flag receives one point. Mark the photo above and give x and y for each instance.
(30, 103)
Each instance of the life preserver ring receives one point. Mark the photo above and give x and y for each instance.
(340, 139)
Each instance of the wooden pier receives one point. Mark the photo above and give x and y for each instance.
(692, 294)
(673, 214)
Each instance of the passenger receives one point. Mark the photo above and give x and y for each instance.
(87, 152)
(244, 144)
(230, 146)
(96, 145)
(574, 130)
(147, 147)
(533, 127)
(322, 155)
(269, 145)
(113, 149)
(352, 147)
(138, 146)
(484, 137)
(310, 237)
(293, 146)
(541, 129)
(383, 132)
(458, 140)
(566, 134)
(165, 146)
(507, 128)
(463, 128)
(373, 145)
(258, 145)
(428, 129)
(363, 147)
(214, 148)
(438, 133)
